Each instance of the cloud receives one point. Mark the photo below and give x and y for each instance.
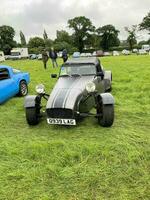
(32, 17)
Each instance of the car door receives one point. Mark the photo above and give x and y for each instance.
(7, 84)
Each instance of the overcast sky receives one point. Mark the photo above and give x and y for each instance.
(33, 16)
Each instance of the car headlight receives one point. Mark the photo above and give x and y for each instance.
(90, 87)
(40, 89)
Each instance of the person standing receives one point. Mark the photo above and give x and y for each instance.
(64, 55)
(44, 58)
(53, 56)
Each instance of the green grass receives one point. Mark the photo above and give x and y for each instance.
(86, 162)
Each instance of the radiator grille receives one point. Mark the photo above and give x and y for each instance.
(60, 113)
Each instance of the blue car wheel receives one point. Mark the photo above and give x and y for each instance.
(23, 88)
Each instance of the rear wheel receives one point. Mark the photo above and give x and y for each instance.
(23, 88)
(107, 115)
(32, 116)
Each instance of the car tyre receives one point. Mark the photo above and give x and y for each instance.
(107, 115)
(32, 116)
(23, 88)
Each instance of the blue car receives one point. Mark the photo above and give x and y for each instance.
(12, 82)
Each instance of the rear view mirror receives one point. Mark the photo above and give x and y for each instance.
(101, 74)
(53, 75)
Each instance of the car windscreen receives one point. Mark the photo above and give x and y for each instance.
(4, 74)
(76, 69)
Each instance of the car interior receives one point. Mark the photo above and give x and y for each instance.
(4, 74)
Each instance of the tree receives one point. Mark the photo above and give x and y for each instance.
(36, 44)
(7, 34)
(109, 36)
(93, 41)
(63, 41)
(132, 36)
(22, 39)
(145, 24)
(45, 36)
(59, 46)
(48, 44)
(63, 36)
(82, 27)
(142, 42)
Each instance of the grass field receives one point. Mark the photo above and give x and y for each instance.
(86, 162)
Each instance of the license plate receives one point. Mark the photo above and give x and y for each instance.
(61, 121)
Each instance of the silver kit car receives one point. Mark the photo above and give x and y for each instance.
(82, 85)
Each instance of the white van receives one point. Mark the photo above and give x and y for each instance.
(146, 47)
(2, 57)
(19, 53)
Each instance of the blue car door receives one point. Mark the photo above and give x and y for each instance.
(7, 85)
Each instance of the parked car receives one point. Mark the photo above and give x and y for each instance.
(88, 54)
(82, 84)
(76, 54)
(39, 57)
(135, 50)
(146, 47)
(126, 52)
(106, 54)
(12, 82)
(115, 53)
(59, 54)
(142, 52)
(83, 55)
(94, 54)
(7, 57)
(99, 53)
(33, 56)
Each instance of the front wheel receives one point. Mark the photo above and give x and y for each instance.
(32, 116)
(107, 115)
(23, 88)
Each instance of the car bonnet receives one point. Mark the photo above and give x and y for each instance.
(66, 91)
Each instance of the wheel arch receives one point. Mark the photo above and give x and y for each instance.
(30, 101)
(22, 80)
(106, 109)
(106, 99)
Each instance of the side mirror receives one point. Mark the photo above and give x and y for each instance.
(101, 74)
(53, 75)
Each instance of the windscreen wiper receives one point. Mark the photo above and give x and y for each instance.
(65, 75)
(75, 74)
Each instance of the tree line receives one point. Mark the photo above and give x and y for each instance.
(85, 37)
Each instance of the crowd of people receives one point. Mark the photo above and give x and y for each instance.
(53, 56)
